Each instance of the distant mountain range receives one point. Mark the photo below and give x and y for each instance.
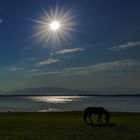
(49, 91)
(70, 92)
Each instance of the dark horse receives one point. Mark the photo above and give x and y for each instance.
(96, 110)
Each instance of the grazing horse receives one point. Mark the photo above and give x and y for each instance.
(96, 110)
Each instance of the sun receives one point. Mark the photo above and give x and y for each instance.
(55, 25)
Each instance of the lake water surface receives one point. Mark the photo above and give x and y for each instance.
(68, 103)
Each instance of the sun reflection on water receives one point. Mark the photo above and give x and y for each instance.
(56, 99)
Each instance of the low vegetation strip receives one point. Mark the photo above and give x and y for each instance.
(67, 126)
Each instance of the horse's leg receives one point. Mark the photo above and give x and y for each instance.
(99, 118)
(85, 117)
(89, 116)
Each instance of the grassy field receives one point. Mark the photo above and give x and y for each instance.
(66, 126)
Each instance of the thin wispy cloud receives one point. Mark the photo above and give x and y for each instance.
(45, 73)
(1, 21)
(48, 61)
(32, 59)
(125, 46)
(33, 70)
(16, 69)
(26, 48)
(68, 50)
(113, 66)
(106, 66)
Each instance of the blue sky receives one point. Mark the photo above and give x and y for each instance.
(100, 50)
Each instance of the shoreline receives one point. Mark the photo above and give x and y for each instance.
(64, 111)
(102, 95)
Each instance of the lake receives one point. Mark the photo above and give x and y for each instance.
(68, 103)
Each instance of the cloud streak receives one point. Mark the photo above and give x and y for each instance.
(111, 66)
(106, 66)
(33, 70)
(16, 69)
(46, 73)
(68, 51)
(47, 62)
(125, 46)
(1, 21)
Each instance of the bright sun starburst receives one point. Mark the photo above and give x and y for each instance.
(54, 26)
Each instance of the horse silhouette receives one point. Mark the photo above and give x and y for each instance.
(96, 110)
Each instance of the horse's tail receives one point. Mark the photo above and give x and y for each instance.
(85, 115)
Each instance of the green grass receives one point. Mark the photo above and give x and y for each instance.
(66, 126)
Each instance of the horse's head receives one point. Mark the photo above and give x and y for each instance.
(107, 117)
